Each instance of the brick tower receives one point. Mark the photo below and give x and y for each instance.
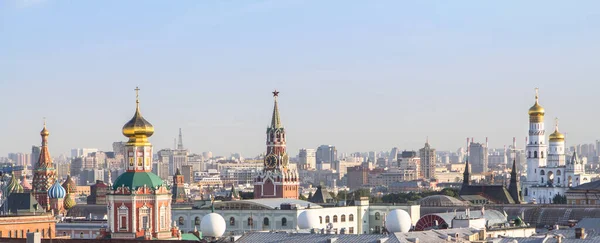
(276, 180)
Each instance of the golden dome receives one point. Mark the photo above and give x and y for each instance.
(138, 129)
(536, 112)
(556, 136)
(45, 131)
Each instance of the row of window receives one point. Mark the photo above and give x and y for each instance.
(23, 233)
(232, 221)
(335, 218)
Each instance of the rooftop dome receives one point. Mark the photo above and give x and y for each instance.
(536, 112)
(441, 201)
(134, 180)
(13, 186)
(138, 129)
(212, 225)
(56, 191)
(25, 184)
(556, 136)
(69, 201)
(308, 220)
(398, 220)
(70, 185)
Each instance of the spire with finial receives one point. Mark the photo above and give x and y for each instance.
(138, 129)
(466, 175)
(275, 121)
(556, 136)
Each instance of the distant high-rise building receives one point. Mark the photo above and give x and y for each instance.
(207, 155)
(35, 155)
(326, 154)
(428, 159)
(357, 177)
(119, 147)
(478, 157)
(393, 155)
(78, 152)
(307, 159)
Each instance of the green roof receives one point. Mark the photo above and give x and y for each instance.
(189, 236)
(134, 180)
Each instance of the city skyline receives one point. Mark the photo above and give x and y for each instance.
(448, 78)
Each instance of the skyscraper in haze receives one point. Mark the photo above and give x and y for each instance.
(428, 159)
(478, 157)
(326, 154)
(307, 159)
(35, 155)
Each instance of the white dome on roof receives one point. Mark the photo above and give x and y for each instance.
(398, 220)
(212, 225)
(308, 219)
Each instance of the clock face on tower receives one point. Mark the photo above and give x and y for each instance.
(271, 162)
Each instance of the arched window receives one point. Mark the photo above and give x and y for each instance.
(197, 221)
(528, 154)
(250, 221)
(558, 179)
(535, 154)
(181, 220)
(377, 216)
(327, 219)
(542, 154)
(343, 218)
(558, 172)
(335, 218)
(542, 172)
(351, 217)
(232, 221)
(266, 221)
(80, 234)
(283, 222)
(320, 220)
(64, 233)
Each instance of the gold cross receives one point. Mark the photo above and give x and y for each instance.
(137, 94)
(536, 93)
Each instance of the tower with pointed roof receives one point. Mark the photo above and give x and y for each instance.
(138, 201)
(178, 189)
(44, 174)
(513, 188)
(276, 180)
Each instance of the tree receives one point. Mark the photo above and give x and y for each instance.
(559, 199)
(247, 195)
(302, 197)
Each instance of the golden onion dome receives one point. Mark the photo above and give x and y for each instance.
(45, 131)
(556, 136)
(138, 129)
(536, 110)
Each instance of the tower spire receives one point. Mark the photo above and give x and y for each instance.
(275, 121)
(466, 175)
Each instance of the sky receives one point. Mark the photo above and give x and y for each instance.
(360, 75)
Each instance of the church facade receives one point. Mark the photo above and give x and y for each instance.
(549, 173)
(139, 203)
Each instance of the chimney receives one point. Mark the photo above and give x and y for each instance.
(331, 240)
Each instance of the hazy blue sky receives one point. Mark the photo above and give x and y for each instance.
(361, 75)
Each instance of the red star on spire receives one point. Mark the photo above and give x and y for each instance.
(275, 93)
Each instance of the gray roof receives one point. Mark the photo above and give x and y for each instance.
(267, 237)
(493, 217)
(594, 185)
(423, 236)
(266, 203)
(441, 201)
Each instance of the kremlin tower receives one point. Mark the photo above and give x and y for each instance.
(139, 203)
(44, 174)
(276, 180)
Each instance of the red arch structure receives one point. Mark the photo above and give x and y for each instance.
(430, 221)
